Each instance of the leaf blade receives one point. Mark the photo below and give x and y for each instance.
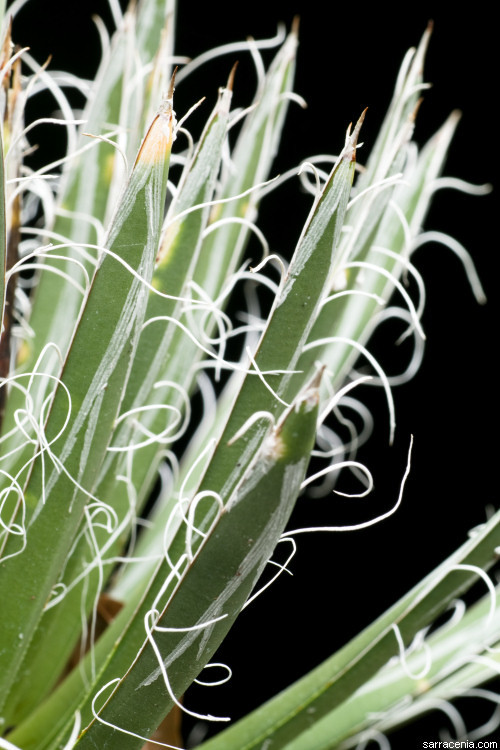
(94, 376)
(285, 717)
(219, 579)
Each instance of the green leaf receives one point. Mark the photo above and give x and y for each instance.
(280, 346)
(287, 719)
(216, 582)
(288, 326)
(93, 180)
(253, 155)
(85, 403)
(398, 124)
(164, 355)
(351, 317)
(152, 363)
(289, 323)
(222, 251)
(222, 566)
(460, 655)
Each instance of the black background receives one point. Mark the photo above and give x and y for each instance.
(348, 60)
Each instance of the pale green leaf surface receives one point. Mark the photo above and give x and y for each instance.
(398, 122)
(85, 193)
(154, 40)
(352, 317)
(252, 158)
(460, 655)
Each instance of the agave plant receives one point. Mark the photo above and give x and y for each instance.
(163, 393)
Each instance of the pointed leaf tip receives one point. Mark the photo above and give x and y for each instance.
(413, 115)
(171, 88)
(354, 138)
(230, 80)
(349, 152)
(317, 377)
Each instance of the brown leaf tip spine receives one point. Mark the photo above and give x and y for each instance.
(230, 80)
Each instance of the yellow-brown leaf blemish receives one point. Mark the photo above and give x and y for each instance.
(158, 139)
